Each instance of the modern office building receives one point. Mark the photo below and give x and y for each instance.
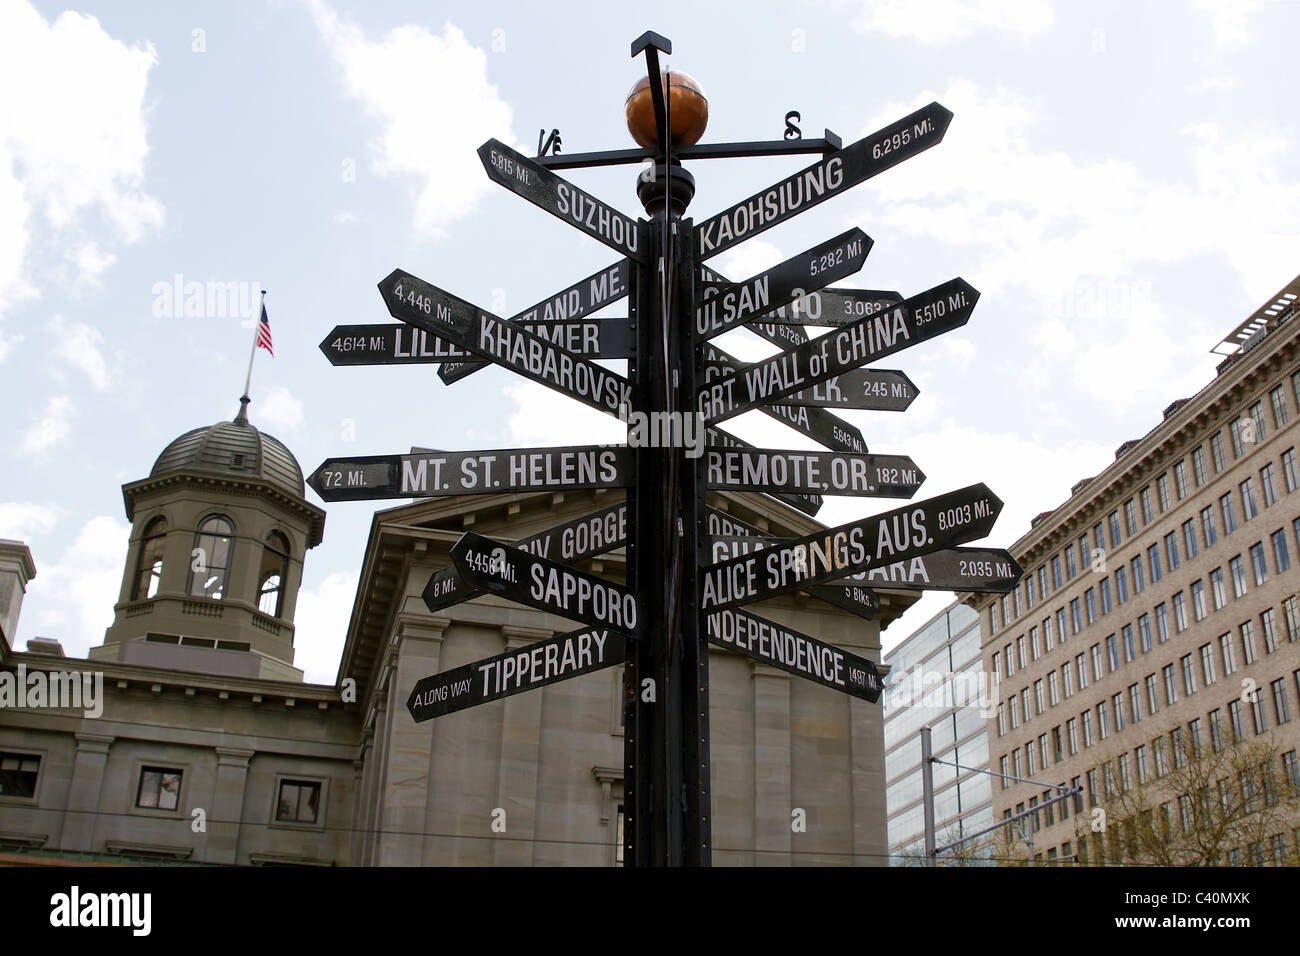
(1155, 600)
(189, 735)
(937, 679)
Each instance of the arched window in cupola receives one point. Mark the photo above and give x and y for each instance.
(210, 559)
(148, 569)
(271, 577)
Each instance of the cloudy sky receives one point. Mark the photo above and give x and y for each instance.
(1121, 181)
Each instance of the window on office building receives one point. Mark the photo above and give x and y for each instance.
(1267, 485)
(1227, 513)
(1180, 480)
(1153, 563)
(1216, 451)
(1162, 492)
(1281, 710)
(1118, 701)
(1144, 632)
(1216, 730)
(1096, 661)
(1189, 538)
(1067, 679)
(1290, 476)
(1234, 717)
(1171, 688)
(1270, 630)
(1180, 613)
(1161, 754)
(1258, 722)
(1130, 652)
(1281, 557)
(1238, 446)
(1076, 617)
(1248, 649)
(1257, 563)
(1207, 526)
(1103, 719)
(1216, 588)
(1090, 599)
(1057, 580)
(1189, 674)
(1248, 507)
(1086, 720)
(1153, 693)
(1121, 584)
(1038, 696)
(1226, 651)
(1135, 703)
(1148, 511)
(1053, 691)
(1162, 623)
(1207, 664)
(1104, 587)
(1112, 653)
(1171, 550)
(1278, 400)
(1198, 465)
(1238, 570)
(1198, 600)
(1060, 624)
(1257, 416)
(1072, 732)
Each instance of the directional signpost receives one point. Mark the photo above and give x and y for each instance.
(691, 570)
(407, 345)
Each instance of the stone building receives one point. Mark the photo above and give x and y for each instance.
(1154, 599)
(205, 745)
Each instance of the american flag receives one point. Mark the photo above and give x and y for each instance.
(264, 333)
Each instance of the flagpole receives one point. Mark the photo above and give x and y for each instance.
(248, 381)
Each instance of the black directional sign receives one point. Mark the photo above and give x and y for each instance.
(542, 584)
(404, 344)
(871, 389)
(808, 504)
(914, 320)
(558, 658)
(509, 345)
(568, 543)
(728, 305)
(819, 425)
(561, 198)
(438, 474)
(812, 472)
(831, 307)
(572, 304)
(917, 528)
(796, 653)
(729, 536)
(953, 569)
(829, 176)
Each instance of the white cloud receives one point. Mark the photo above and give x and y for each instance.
(935, 22)
(320, 626)
(71, 600)
(1228, 20)
(69, 147)
(92, 261)
(25, 520)
(81, 346)
(345, 218)
(545, 418)
(750, 258)
(430, 94)
(278, 412)
(51, 428)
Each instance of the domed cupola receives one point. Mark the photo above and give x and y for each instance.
(219, 532)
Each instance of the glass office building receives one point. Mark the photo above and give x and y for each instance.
(936, 679)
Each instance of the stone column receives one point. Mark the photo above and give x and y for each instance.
(85, 792)
(772, 803)
(409, 745)
(521, 736)
(225, 816)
